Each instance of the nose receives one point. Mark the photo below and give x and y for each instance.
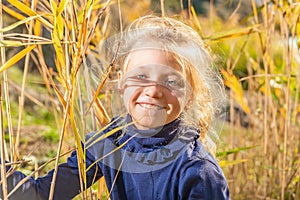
(154, 91)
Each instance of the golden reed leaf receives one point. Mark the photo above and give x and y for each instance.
(28, 11)
(16, 58)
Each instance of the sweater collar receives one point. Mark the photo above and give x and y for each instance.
(137, 139)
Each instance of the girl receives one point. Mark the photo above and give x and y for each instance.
(160, 149)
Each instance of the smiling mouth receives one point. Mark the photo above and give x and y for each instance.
(151, 106)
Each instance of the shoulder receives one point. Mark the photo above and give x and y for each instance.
(195, 150)
(199, 159)
(202, 176)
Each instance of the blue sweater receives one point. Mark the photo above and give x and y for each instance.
(164, 163)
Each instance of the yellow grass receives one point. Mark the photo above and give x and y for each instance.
(258, 56)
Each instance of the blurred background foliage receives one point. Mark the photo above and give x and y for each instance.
(54, 89)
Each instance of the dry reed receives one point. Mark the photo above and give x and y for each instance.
(260, 145)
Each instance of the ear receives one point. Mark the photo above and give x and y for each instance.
(189, 102)
(120, 76)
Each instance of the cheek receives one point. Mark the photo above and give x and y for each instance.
(129, 95)
(177, 107)
(177, 102)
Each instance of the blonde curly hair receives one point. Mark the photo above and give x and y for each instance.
(187, 48)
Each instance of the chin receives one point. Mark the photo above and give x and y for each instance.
(149, 124)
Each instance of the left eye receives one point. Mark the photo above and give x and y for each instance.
(172, 82)
(175, 83)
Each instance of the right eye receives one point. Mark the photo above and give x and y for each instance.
(141, 76)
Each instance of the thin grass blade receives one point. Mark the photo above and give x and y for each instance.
(234, 33)
(25, 9)
(13, 13)
(18, 23)
(10, 43)
(16, 58)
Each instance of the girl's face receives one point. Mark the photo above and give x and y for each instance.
(154, 90)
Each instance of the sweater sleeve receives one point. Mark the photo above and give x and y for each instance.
(203, 180)
(67, 183)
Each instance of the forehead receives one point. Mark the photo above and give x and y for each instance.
(146, 57)
(156, 71)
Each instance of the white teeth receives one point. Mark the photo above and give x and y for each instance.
(151, 106)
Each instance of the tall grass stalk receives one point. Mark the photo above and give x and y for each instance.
(266, 50)
(25, 72)
(59, 150)
(2, 140)
(261, 73)
(2, 153)
(162, 8)
(288, 54)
